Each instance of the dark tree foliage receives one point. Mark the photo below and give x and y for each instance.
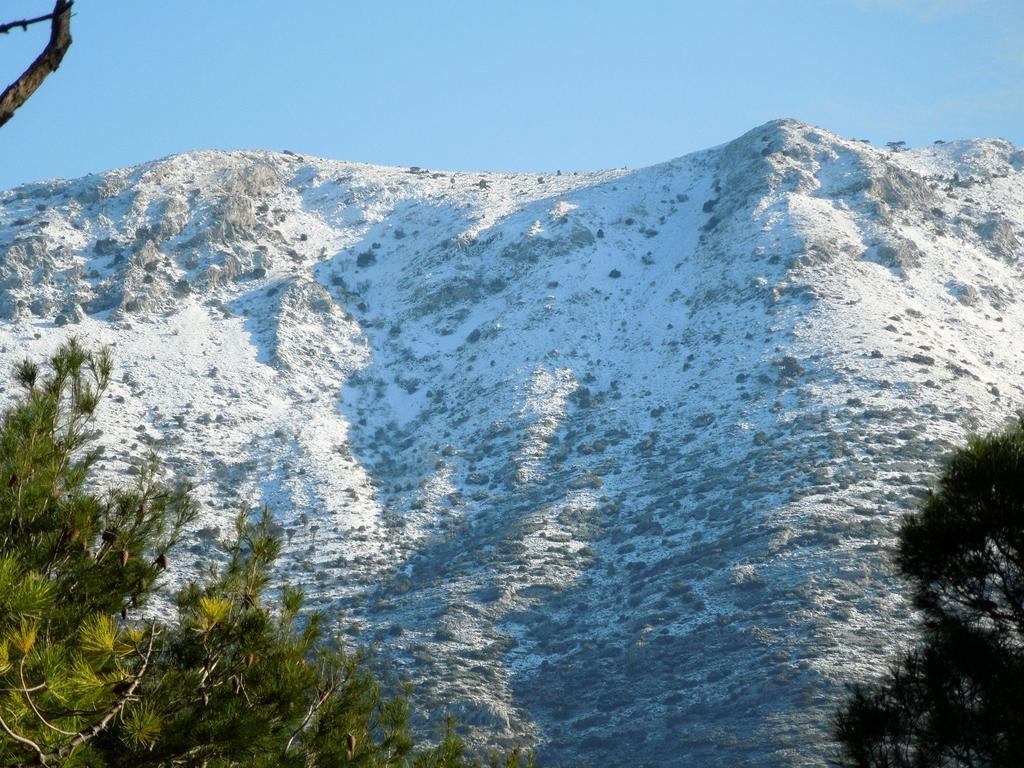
(957, 699)
(241, 675)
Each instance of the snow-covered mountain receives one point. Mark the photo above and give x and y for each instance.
(611, 461)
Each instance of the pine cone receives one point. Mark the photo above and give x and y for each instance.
(350, 742)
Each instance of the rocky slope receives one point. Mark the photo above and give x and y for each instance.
(612, 460)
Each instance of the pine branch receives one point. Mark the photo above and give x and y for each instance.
(18, 92)
(317, 702)
(22, 740)
(32, 704)
(209, 664)
(39, 687)
(84, 735)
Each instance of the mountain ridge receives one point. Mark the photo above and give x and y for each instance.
(609, 458)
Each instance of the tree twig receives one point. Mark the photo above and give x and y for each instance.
(25, 23)
(317, 702)
(28, 698)
(22, 740)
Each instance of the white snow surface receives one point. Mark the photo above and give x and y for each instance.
(602, 459)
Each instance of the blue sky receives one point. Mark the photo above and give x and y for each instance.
(504, 85)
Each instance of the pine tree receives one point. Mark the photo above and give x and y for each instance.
(957, 699)
(243, 677)
(74, 566)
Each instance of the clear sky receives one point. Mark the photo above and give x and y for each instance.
(504, 84)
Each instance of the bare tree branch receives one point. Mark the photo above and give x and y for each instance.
(20, 90)
(22, 740)
(24, 23)
(318, 701)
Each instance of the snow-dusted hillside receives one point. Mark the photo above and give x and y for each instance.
(611, 460)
